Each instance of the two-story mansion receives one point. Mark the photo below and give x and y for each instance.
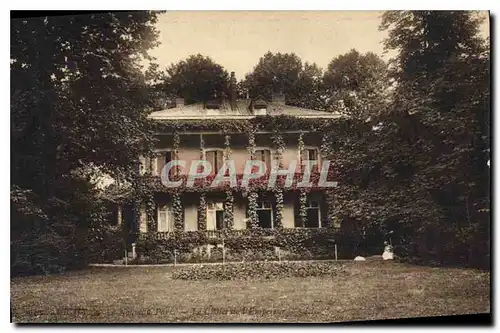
(240, 130)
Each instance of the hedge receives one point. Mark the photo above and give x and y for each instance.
(257, 270)
(246, 245)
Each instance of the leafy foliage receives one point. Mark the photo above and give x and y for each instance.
(256, 270)
(284, 72)
(106, 243)
(357, 84)
(250, 245)
(196, 79)
(229, 201)
(77, 94)
(202, 212)
(420, 171)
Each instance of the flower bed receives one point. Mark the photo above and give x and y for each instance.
(256, 270)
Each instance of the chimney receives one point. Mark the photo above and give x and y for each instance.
(278, 98)
(232, 91)
(179, 102)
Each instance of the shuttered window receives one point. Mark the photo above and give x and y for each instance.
(165, 219)
(216, 159)
(264, 155)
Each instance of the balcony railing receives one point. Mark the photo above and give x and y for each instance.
(261, 183)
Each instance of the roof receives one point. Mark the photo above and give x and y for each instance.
(241, 111)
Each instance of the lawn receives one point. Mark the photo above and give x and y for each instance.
(370, 290)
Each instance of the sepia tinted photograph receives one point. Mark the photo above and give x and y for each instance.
(250, 166)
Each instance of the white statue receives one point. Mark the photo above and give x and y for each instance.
(388, 252)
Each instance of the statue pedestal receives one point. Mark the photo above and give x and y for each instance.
(388, 254)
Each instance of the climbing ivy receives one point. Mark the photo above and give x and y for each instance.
(136, 209)
(178, 211)
(176, 145)
(332, 219)
(202, 212)
(302, 207)
(278, 193)
(303, 193)
(252, 209)
(202, 206)
(229, 202)
(145, 186)
(252, 195)
(326, 142)
(150, 212)
(228, 210)
(279, 146)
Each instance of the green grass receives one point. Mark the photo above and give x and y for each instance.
(369, 290)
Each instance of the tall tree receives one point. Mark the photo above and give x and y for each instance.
(196, 79)
(310, 90)
(284, 72)
(77, 100)
(421, 170)
(357, 84)
(426, 40)
(443, 73)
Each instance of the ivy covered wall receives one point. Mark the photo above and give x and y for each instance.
(325, 131)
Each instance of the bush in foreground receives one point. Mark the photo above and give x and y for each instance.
(252, 270)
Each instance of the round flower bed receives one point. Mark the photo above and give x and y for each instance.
(253, 270)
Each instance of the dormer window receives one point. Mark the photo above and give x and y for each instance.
(259, 106)
(212, 107)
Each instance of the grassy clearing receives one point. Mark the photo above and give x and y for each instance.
(369, 290)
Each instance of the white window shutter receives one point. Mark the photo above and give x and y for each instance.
(162, 221)
(171, 220)
(210, 219)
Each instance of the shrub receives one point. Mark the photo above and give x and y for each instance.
(259, 270)
(46, 253)
(248, 245)
(106, 244)
(161, 250)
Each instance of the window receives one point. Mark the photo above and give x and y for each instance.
(168, 156)
(311, 154)
(161, 162)
(146, 165)
(165, 219)
(313, 215)
(265, 212)
(215, 216)
(264, 155)
(216, 159)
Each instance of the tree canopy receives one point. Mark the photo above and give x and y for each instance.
(285, 73)
(196, 79)
(78, 99)
(357, 84)
(420, 170)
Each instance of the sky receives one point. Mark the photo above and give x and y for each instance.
(237, 39)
